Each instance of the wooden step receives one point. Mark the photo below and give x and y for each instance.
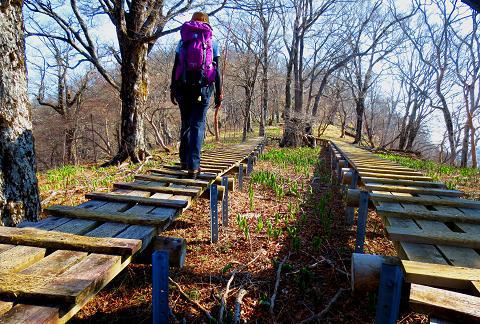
(119, 217)
(430, 236)
(137, 200)
(425, 200)
(192, 192)
(438, 275)
(457, 216)
(399, 182)
(187, 182)
(394, 176)
(56, 240)
(414, 190)
(428, 300)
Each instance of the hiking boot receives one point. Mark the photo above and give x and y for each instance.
(193, 174)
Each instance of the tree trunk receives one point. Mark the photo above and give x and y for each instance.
(264, 113)
(19, 197)
(464, 154)
(70, 147)
(133, 94)
(360, 107)
(473, 144)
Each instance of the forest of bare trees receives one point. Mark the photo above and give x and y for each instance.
(393, 74)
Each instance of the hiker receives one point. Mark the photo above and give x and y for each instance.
(194, 75)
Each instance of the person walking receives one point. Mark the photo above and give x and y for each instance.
(194, 76)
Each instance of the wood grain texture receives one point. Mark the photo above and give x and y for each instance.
(137, 200)
(119, 217)
(192, 191)
(66, 241)
(439, 275)
(439, 301)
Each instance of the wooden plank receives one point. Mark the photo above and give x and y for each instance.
(442, 216)
(55, 263)
(107, 230)
(433, 237)
(204, 169)
(394, 176)
(20, 257)
(426, 200)
(26, 314)
(202, 176)
(125, 217)
(439, 275)
(137, 200)
(390, 172)
(42, 289)
(151, 188)
(414, 190)
(66, 241)
(190, 182)
(46, 224)
(97, 268)
(433, 300)
(5, 306)
(399, 182)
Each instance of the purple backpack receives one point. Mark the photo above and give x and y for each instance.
(196, 64)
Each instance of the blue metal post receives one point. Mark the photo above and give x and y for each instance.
(350, 210)
(249, 165)
(389, 294)
(213, 213)
(240, 176)
(225, 202)
(160, 287)
(361, 221)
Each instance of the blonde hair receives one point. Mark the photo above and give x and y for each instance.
(200, 16)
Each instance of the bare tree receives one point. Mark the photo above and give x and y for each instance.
(432, 42)
(69, 95)
(19, 197)
(138, 25)
(466, 57)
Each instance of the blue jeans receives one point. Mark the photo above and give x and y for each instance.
(193, 114)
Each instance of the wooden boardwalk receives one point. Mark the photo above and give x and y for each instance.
(436, 230)
(50, 269)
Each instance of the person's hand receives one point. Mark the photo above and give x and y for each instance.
(218, 101)
(172, 96)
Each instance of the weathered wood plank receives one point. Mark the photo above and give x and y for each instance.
(431, 237)
(399, 182)
(414, 190)
(433, 300)
(157, 189)
(26, 314)
(202, 176)
(189, 182)
(56, 289)
(65, 241)
(55, 263)
(394, 176)
(426, 200)
(436, 215)
(125, 217)
(174, 203)
(20, 257)
(5, 306)
(439, 275)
